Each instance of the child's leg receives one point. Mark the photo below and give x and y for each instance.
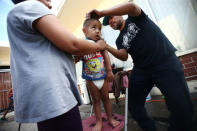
(107, 104)
(95, 95)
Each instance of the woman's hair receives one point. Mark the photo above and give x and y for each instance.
(17, 1)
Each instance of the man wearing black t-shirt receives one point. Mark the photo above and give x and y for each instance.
(154, 63)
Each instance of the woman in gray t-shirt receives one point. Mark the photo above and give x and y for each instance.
(42, 68)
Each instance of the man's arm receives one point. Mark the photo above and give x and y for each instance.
(51, 28)
(120, 54)
(128, 8)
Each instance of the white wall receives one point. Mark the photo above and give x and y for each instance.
(176, 18)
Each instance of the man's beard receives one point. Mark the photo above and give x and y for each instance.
(118, 26)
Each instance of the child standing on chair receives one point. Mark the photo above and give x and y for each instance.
(98, 73)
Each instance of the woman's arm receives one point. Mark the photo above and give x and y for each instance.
(51, 28)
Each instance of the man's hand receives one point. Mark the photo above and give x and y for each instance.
(109, 76)
(94, 14)
(102, 44)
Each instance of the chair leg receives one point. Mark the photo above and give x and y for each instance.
(126, 111)
(19, 127)
(91, 112)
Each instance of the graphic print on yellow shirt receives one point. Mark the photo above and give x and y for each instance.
(93, 66)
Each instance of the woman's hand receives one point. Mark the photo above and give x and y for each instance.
(102, 44)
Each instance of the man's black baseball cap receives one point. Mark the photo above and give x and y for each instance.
(106, 20)
(17, 1)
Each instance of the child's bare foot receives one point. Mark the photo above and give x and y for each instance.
(98, 126)
(114, 122)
